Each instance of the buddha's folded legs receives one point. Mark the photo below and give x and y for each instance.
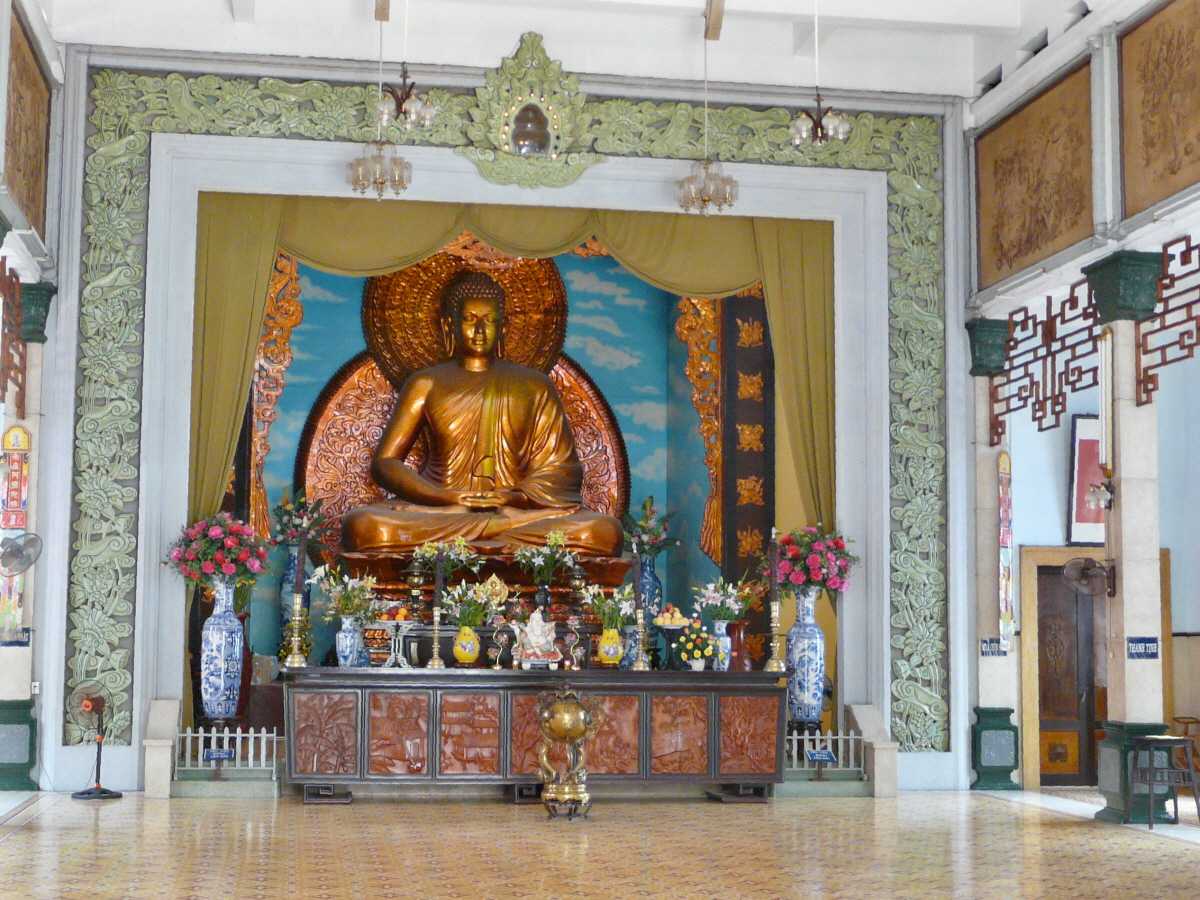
(400, 526)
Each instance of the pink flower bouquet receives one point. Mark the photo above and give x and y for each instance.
(808, 557)
(218, 548)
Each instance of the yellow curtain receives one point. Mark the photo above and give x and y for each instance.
(235, 245)
(685, 255)
(796, 260)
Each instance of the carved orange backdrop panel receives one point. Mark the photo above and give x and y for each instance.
(399, 733)
(27, 137)
(748, 731)
(470, 734)
(325, 726)
(679, 735)
(1034, 180)
(613, 750)
(1160, 95)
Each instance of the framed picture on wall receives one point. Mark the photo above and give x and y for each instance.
(1084, 525)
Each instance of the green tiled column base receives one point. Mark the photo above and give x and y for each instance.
(1115, 769)
(18, 755)
(994, 749)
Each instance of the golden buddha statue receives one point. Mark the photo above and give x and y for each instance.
(501, 468)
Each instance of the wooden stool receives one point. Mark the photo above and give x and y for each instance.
(1187, 723)
(1151, 774)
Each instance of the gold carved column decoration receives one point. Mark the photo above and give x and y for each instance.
(283, 313)
(699, 327)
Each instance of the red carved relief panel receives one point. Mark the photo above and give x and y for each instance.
(470, 734)
(325, 732)
(398, 736)
(679, 735)
(613, 751)
(749, 733)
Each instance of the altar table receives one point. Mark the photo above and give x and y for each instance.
(456, 725)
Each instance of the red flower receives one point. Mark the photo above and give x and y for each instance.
(784, 568)
(787, 540)
(839, 544)
(262, 552)
(219, 557)
(231, 542)
(813, 560)
(794, 552)
(228, 569)
(207, 567)
(244, 555)
(819, 546)
(191, 554)
(797, 577)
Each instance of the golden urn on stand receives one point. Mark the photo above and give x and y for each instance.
(565, 718)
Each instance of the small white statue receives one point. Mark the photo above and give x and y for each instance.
(534, 646)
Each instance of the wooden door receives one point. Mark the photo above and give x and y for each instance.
(1065, 679)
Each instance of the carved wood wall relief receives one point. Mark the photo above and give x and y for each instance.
(1160, 93)
(747, 726)
(27, 136)
(1034, 180)
(679, 735)
(399, 733)
(325, 732)
(12, 345)
(470, 734)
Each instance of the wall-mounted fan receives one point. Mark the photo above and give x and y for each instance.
(86, 706)
(19, 553)
(1090, 577)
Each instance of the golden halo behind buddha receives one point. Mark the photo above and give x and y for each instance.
(401, 310)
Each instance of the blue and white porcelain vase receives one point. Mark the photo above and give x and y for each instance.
(724, 646)
(806, 661)
(349, 642)
(221, 642)
(649, 587)
(631, 646)
(287, 585)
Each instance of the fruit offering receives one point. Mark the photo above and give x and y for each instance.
(670, 617)
(393, 614)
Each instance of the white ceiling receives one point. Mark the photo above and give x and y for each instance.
(898, 45)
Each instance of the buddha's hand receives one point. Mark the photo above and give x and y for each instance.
(492, 499)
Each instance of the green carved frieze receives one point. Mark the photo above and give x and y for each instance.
(127, 107)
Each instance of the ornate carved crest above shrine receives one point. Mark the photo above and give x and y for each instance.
(529, 126)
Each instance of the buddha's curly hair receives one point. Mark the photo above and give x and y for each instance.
(469, 283)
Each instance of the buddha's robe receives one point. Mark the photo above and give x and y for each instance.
(513, 415)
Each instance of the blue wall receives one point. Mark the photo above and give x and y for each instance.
(1041, 461)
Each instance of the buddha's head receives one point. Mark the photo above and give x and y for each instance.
(472, 316)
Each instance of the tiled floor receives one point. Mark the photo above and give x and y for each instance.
(920, 845)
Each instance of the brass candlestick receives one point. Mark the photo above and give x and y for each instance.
(775, 663)
(435, 661)
(295, 659)
(642, 663)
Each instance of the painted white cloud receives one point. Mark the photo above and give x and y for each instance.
(285, 431)
(290, 378)
(311, 292)
(632, 437)
(588, 304)
(600, 354)
(275, 485)
(653, 466)
(591, 283)
(607, 324)
(650, 389)
(650, 413)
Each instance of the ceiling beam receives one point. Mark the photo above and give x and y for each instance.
(714, 16)
(243, 10)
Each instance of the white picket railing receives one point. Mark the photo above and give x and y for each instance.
(243, 750)
(847, 750)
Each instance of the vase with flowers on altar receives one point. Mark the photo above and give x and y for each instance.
(722, 603)
(807, 562)
(646, 535)
(615, 610)
(545, 563)
(297, 524)
(470, 605)
(350, 600)
(219, 554)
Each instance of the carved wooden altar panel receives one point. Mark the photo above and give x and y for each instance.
(749, 728)
(1160, 93)
(1034, 180)
(325, 732)
(470, 733)
(27, 138)
(398, 736)
(679, 734)
(613, 751)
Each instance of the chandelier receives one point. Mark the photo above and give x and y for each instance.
(824, 123)
(707, 187)
(381, 166)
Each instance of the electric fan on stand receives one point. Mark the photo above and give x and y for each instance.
(86, 706)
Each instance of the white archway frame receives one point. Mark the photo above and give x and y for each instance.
(183, 166)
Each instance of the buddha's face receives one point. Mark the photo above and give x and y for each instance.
(479, 326)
